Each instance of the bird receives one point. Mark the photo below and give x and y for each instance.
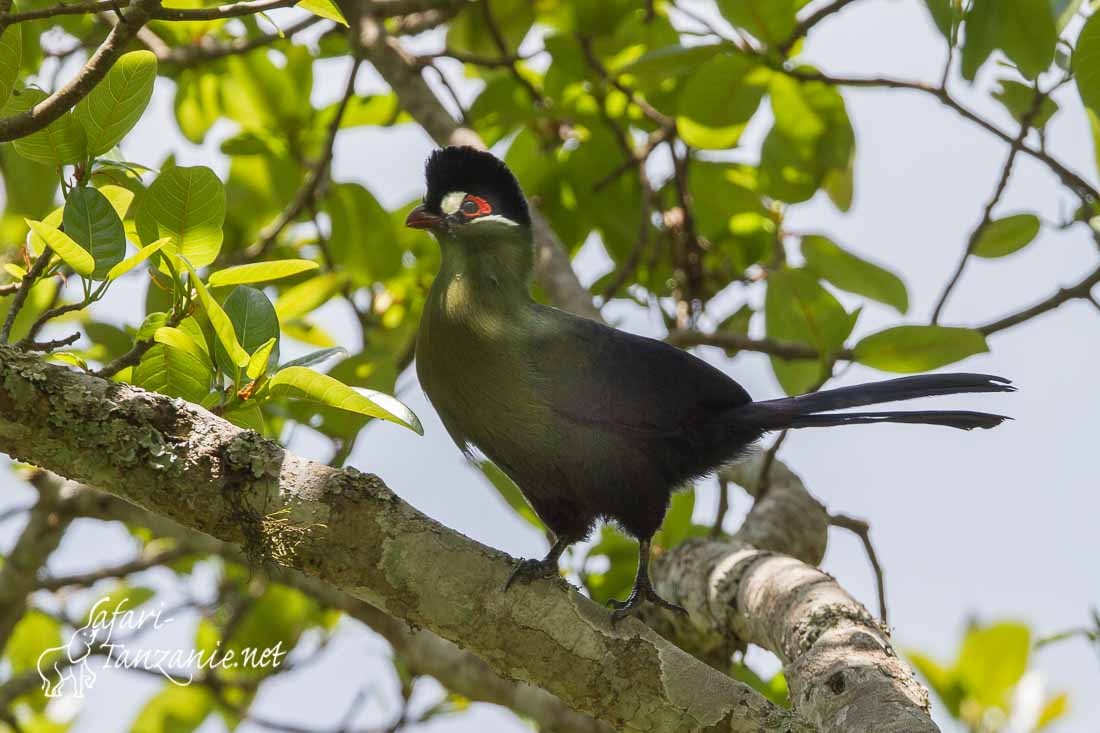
(590, 422)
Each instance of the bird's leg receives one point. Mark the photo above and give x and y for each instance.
(528, 570)
(642, 592)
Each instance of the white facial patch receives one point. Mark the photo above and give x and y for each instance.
(497, 218)
(451, 202)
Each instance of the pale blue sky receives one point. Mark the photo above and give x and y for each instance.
(997, 524)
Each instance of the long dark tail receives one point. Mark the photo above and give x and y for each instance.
(804, 411)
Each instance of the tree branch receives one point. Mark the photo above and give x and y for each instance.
(842, 672)
(349, 529)
(132, 18)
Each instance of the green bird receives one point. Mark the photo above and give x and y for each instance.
(591, 422)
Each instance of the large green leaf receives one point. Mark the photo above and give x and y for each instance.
(304, 297)
(254, 322)
(992, 660)
(772, 21)
(1024, 29)
(918, 348)
(92, 222)
(115, 104)
(175, 709)
(304, 383)
(58, 143)
(35, 633)
(719, 99)
(258, 272)
(188, 206)
(848, 272)
(11, 53)
(467, 32)
(325, 9)
(180, 339)
(798, 309)
(223, 326)
(363, 243)
(174, 372)
(72, 253)
(1086, 63)
(197, 102)
(1004, 236)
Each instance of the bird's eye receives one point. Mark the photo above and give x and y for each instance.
(474, 206)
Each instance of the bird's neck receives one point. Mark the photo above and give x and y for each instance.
(491, 274)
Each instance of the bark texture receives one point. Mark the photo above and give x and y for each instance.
(350, 530)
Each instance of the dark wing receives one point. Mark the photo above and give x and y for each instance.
(597, 375)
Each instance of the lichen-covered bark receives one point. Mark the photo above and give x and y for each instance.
(351, 530)
(842, 672)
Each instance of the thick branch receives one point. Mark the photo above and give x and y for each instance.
(842, 673)
(351, 531)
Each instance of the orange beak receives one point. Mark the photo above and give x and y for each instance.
(419, 218)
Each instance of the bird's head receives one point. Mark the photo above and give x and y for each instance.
(472, 198)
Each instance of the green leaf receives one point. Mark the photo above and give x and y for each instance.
(944, 682)
(179, 339)
(772, 21)
(1019, 98)
(259, 272)
(257, 365)
(136, 259)
(1055, 708)
(467, 32)
(314, 358)
(33, 634)
(223, 327)
(363, 242)
(304, 297)
(1005, 236)
(175, 709)
(173, 372)
(115, 104)
(59, 143)
(677, 526)
(854, 274)
(510, 493)
(254, 323)
(303, 383)
(72, 253)
(91, 222)
(918, 348)
(1024, 29)
(798, 309)
(188, 206)
(197, 103)
(992, 660)
(1086, 63)
(325, 9)
(11, 55)
(719, 99)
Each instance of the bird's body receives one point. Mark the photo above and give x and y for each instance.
(591, 422)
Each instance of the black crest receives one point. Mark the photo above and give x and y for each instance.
(480, 173)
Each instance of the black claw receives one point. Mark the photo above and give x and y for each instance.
(528, 570)
(638, 596)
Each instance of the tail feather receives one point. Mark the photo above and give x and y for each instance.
(803, 411)
(961, 419)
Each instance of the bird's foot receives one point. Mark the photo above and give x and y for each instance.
(641, 593)
(528, 570)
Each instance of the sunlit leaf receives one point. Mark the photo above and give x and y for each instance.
(137, 258)
(510, 493)
(257, 365)
(176, 709)
(254, 323)
(11, 55)
(173, 372)
(257, 272)
(223, 327)
(58, 143)
(177, 338)
(719, 99)
(304, 297)
(115, 104)
(798, 309)
(188, 206)
(325, 9)
(992, 660)
(304, 383)
(72, 253)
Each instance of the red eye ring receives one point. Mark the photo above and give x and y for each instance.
(475, 206)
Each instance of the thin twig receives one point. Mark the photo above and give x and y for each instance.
(1081, 289)
(723, 507)
(803, 27)
(863, 530)
(48, 345)
(24, 290)
(987, 212)
(735, 341)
